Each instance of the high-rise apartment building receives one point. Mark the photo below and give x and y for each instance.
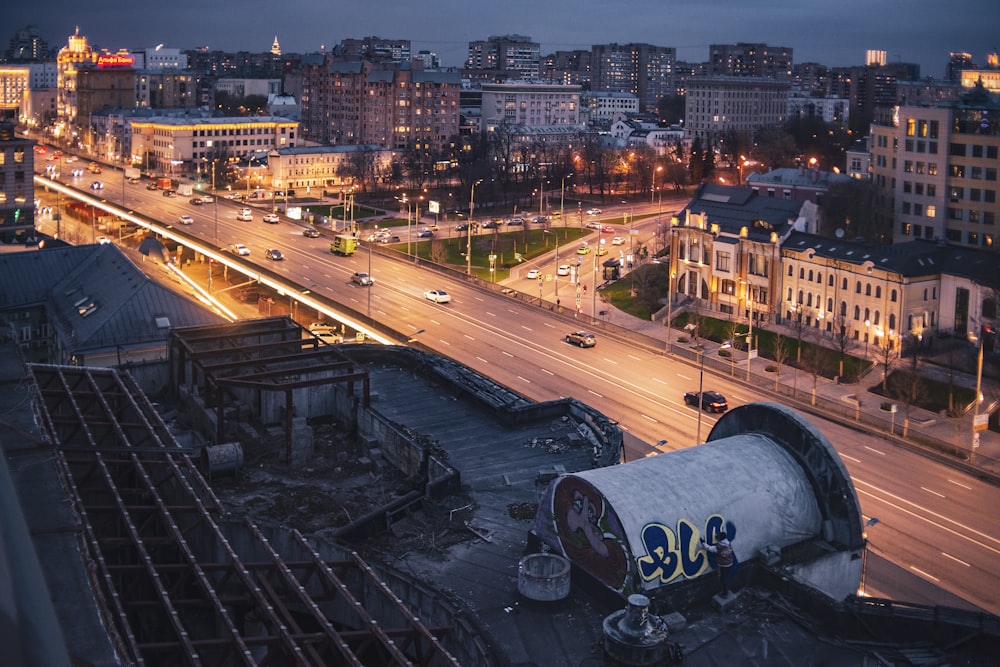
(376, 48)
(761, 60)
(935, 170)
(385, 104)
(644, 70)
(502, 58)
(27, 46)
(715, 105)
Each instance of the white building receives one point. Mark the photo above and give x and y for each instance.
(160, 57)
(530, 104)
(247, 87)
(720, 104)
(603, 105)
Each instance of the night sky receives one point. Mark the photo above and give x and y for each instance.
(833, 32)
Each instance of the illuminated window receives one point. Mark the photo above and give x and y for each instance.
(931, 210)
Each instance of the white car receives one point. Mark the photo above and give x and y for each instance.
(240, 249)
(533, 274)
(271, 219)
(103, 240)
(617, 241)
(593, 211)
(437, 296)
(245, 215)
(185, 220)
(326, 333)
(563, 270)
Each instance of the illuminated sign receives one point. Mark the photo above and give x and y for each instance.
(115, 60)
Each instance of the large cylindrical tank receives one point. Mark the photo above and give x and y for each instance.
(636, 527)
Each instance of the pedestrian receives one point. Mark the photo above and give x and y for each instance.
(724, 558)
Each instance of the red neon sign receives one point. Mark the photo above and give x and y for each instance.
(115, 60)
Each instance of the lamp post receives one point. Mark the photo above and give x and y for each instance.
(215, 201)
(652, 191)
(750, 333)
(670, 280)
(468, 242)
(562, 203)
(701, 385)
(868, 325)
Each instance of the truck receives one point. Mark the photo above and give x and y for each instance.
(344, 244)
(164, 183)
(185, 190)
(132, 174)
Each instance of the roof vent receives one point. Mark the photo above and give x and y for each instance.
(634, 637)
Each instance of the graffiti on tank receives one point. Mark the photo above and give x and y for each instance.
(676, 553)
(590, 532)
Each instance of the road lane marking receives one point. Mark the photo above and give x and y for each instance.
(874, 451)
(632, 356)
(551, 326)
(546, 370)
(490, 314)
(507, 353)
(968, 488)
(523, 379)
(595, 393)
(441, 340)
(526, 328)
(470, 338)
(660, 381)
(655, 421)
(924, 574)
(611, 361)
(684, 377)
(433, 321)
(964, 532)
(404, 308)
(482, 360)
(850, 458)
(939, 495)
(957, 560)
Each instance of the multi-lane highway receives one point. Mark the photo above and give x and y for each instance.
(936, 541)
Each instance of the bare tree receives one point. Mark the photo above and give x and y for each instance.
(438, 252)
(885, 354)
(842, 339)
(781, 352)
(797, 323)
(814, 361)
(908, 387)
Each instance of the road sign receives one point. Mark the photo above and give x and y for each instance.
(980, 422)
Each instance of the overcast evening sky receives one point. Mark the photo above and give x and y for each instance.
(831, 32)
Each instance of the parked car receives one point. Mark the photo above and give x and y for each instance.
(240, 249)
(533, 274)
(271, 219)
(326, 333)
(437, 296)
(363, 279)
(185, 220)
(310, 232)
(274, 254)
(563, 270)
(581, 338)
(711, 401)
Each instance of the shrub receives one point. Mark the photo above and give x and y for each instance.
(770, 368)
(725, 353)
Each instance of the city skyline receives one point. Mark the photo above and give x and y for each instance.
(924, 33)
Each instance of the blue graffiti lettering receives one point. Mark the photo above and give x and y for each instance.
(670, 555)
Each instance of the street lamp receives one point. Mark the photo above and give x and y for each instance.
(652, 191)
(701, 385)
(468, 242)
(562, 202)
(868, 325)
(670, 279)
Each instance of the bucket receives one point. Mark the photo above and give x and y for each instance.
(224, 458)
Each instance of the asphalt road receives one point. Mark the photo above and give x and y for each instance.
(936, 540)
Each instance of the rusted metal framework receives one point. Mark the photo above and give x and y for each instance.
(178, 587)
(266, 355)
